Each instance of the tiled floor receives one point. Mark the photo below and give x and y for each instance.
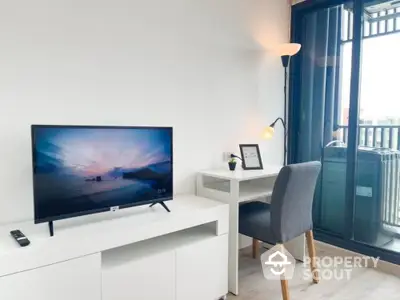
(365, 284)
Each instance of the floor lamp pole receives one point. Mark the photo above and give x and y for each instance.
(287, 51)
(285, 119)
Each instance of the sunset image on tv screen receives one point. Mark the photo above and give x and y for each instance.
(78, 169)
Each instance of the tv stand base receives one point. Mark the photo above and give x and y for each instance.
(51, 228)
(162, 204)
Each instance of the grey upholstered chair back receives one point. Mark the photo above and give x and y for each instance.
(292, 198)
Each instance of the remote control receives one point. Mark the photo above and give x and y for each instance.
(20, 238)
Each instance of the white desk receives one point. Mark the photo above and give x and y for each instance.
(234, 187)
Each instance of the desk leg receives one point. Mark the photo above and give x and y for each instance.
(233, 268)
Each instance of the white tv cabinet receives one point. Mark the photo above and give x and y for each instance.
(137, 253)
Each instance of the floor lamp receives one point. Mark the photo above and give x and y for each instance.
(285, 51)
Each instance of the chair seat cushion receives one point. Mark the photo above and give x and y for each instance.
(255, 221)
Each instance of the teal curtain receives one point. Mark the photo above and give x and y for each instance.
(316, 104)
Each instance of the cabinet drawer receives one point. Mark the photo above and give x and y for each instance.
(202, 269)
(74, 279)
(148, 278)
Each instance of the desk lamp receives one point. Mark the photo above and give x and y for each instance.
(269, 133)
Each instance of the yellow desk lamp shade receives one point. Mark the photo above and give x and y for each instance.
(268, 133)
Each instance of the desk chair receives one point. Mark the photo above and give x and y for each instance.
(288, 216)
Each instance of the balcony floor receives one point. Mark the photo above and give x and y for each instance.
(393, 246)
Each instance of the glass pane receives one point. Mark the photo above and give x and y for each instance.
(323, 109)
(377, 203)
(331, 203)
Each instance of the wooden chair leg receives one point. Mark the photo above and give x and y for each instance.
(312, 254)
(285, 289)
(256, 248)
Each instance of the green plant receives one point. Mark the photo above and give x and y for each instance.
(232, 160)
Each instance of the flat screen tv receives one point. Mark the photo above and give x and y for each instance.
(80, 170)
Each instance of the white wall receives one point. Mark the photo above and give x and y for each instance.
(203, 66)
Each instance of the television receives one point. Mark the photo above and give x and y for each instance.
(80, 170)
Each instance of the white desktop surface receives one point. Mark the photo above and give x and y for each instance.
(241, 175)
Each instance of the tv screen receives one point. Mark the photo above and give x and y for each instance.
(79, 170)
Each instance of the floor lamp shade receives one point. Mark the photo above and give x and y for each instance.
(289, 49)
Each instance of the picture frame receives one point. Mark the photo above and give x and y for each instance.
(251, 157)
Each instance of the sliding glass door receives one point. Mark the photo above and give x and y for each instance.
(377, 199)
(337, 117)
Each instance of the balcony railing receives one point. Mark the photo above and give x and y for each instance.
(377, 136)
(382, 136)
